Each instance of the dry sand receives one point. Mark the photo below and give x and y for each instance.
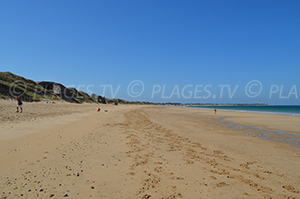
(72, 151)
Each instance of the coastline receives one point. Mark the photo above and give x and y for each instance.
(149, 151)
(272, 127)
(273, 122)
(250, 111)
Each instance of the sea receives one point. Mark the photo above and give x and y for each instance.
(270, 109)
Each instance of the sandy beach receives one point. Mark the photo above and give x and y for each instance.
(66, 150)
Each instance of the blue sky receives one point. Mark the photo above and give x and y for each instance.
(181, 51)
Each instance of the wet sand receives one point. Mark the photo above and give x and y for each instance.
(145, 152)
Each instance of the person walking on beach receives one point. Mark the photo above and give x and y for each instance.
(215, 111)
(20, 103)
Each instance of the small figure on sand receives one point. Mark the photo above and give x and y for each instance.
(20, 103)
(215, 111)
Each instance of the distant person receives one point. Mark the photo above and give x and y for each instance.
(20, 103)
(215, 111)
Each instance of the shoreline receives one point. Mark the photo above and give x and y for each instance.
(278, 128)
(249, 111)
(273, 122)
(292, 140)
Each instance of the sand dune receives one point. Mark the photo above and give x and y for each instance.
(144, 152)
